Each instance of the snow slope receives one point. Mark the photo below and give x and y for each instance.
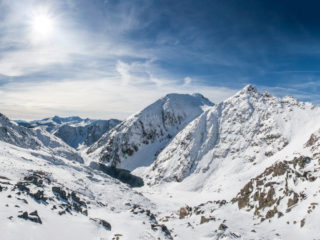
(139, 139)
(247, 168)
(232, 137)
(256, 154)
(45, 194)
(280, 201)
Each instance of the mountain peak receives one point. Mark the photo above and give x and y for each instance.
(148, 131)
(195, 99)
(66, 119)
(249, 89)
(247, 92)
(3, 118)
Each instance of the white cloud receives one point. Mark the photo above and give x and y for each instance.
(22, 62)
(105, 85)
(141, 73)
(99, 98)
(187, 81)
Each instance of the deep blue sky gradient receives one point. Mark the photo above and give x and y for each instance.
(226, 43)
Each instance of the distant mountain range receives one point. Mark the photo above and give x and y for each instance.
(74, 131)
(245, 168)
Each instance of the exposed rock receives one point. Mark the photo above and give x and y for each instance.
(222, 227)
(294, 200)
(163, 228)
(60, 193)
(39, 196)
(302, 222)
(103, 223)
(22, 186)
(117, 236)
(38, 178)
(301, 161)
(312, 140)
(245, 192)
(205, 220)
(121, 174)
(265, 191)
(33, 216)
(184, 211)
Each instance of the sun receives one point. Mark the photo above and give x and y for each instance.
(42, 26)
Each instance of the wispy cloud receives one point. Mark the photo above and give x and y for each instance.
(98, 98)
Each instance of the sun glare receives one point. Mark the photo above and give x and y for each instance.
(42, 26)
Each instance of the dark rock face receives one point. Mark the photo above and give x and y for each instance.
(163, 228)
(22, 186)
(38, 184)
(60, 193)
(69, 201)
(39, 196)
(103, 223)
(37, 178)
(222, 227)
(33, 216)
(121, 174)
(155, 225)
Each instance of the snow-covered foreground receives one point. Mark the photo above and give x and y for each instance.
(71, 201)
(247, 168)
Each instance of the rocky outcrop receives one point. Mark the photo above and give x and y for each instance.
(33, 216)
(274, 192)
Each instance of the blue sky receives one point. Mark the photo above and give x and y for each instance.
(111, 58)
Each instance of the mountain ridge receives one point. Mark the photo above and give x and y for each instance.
(75, 131)
(246, 168)
(150, 130)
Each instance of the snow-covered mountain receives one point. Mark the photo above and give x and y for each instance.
(244, 130)
(47, 193)
(74, 131)
(53, 123)
(36, 139)
(138, 140)
(255, 153)
(246, 168)
(84, 135)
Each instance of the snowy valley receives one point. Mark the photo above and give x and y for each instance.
(182, 168)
